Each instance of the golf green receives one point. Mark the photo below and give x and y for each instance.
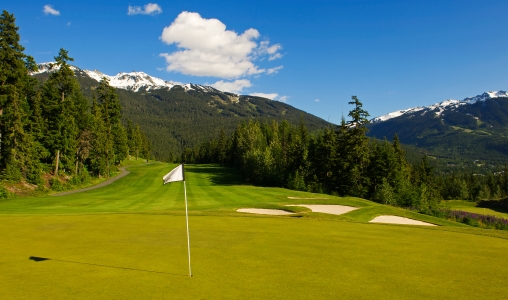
(128, 241)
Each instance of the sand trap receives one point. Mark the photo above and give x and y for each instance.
(263, 211)
(328, 209)
(298, 198)
(398, 220)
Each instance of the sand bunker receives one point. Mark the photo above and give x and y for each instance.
(298, 198)
(328, 209)
(263, 211)
(398, 220)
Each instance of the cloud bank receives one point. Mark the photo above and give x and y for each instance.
(231, 86)
(207, 48)
(49, 10)
(148, 9)
(271, 96)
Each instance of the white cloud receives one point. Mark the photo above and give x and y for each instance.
(274, 70)
(207, 48)
(68, 23)
(272, 96)
(275, 56)
(265, 48)
(317, 100)
(283, 99)
(148, 9)
(49, 10)
(231, 86)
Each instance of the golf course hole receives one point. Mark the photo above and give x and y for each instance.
(328, 208)
(398, 220)
(263, 211)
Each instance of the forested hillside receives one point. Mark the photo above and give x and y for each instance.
(181, 117)
(174, 119)
(473, 132)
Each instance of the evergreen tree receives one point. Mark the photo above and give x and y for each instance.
(100, 142)
(358, 150)
(17, 147)
(59, 110)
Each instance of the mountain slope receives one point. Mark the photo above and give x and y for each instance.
(176, 115)
(473, 128)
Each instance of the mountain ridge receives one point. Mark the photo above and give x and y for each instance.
(132, 81)
(440, 107)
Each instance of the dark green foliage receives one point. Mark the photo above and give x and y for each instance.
(56, 184)
(18, 150)
(4, 193)
(339, 161)
(50, 125)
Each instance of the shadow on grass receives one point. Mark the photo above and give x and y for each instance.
(216, 174)
(38, 259)
(500, 205)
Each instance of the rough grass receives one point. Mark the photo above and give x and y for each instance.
(128, 241)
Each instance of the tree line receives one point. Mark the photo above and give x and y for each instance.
(340, 160)
(51, 127)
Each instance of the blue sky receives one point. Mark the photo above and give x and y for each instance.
(312, 54)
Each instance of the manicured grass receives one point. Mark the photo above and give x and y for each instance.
(471, 207)
(128, 241)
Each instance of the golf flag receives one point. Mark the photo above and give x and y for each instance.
(177, 174)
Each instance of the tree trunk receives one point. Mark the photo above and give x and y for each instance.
(77, 162)
(57, 161)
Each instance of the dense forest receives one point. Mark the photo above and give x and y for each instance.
(342, 160)
(50, 127)
(176, 118)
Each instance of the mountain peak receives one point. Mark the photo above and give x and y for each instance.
(440, 107)
(132, 81)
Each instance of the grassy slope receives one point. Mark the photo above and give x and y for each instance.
(127, 240)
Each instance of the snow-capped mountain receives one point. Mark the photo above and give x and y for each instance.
(133, 81)
(441, 107)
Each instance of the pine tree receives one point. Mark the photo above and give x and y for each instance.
(137, 141)
(358, 150)
(99, 142)
(221, 148)
(59, 111)
(110, 111)
(17, 148)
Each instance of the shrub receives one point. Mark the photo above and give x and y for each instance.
(56, 184)
(75, 180)
(4, 193)
(85, 177)
(12, 173)
(35, 178)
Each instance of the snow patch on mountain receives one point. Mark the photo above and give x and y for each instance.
(133, 81)
(441, 107)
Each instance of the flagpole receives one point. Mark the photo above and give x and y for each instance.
(187, 220)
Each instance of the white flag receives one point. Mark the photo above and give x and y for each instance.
(176, 174)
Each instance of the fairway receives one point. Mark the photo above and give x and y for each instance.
(471, 207)
(128, 241)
